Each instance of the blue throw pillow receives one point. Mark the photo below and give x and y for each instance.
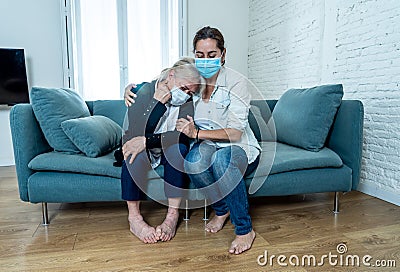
(303, 117)
(53, 106)
(94, 135)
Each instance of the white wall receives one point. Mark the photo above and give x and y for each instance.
(6, 149)
(231, 18)
(35, 26)
(296, 43)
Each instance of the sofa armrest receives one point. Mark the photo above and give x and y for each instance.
(28, 142)
(346, 136)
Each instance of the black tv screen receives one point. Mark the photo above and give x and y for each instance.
(13, 80)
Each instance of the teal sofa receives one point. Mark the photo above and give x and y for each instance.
(46, 176)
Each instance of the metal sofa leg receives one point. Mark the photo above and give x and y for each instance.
(45, 214)
(336, 203)
(205, 218)
(186, 217)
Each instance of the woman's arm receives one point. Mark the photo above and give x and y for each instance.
(143, 118)
(187, 127)
(171, 137)
(165, 139)
(130, 93)
(133, 141)
(220, 135)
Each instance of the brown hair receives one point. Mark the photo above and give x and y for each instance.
(208, 32)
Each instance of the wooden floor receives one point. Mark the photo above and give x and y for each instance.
(95, 236)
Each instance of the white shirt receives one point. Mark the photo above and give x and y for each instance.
(228, 107)
(168, 120)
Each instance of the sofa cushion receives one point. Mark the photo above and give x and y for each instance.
(79, 163)
(53, 106)
(285, 158)
(113, 109)
(303, 117)
(93, 135)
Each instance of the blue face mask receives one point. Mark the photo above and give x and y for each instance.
(178, 97)
(207, 67)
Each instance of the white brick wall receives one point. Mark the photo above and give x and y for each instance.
(302, 43)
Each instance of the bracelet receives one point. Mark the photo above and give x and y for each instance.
(197, 134)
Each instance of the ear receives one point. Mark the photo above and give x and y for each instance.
(223, 56)
(171, 74)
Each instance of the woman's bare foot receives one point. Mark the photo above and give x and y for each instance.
(216, 223)
(166, 231)
(242, 242)
(142, 230)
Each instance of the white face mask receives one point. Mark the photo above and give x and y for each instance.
(178, 97)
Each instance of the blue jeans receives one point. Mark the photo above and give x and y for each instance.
(134, 176)
(220, 172)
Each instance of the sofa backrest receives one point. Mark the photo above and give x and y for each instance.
(113, 109)
(345, 136)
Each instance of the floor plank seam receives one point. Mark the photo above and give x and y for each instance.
(37, 228)
(76, 238)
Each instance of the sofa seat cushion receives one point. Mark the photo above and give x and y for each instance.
(79, 163)
(285, 158)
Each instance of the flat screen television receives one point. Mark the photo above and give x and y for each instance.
(13, 80)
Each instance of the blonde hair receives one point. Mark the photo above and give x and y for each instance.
(184, 68)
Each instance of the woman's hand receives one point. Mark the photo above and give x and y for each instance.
(162, 93)
(186, 126)
(129, 95)
(133, 147)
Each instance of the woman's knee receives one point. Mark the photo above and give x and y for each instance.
(195, 162)
(139, 166)
(174, 156)
(140, 158)
(125, 175)
(228, 157)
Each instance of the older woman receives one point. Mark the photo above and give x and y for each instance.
(151, 139)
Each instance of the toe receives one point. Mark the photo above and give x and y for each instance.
(239, 249)
(232, 249)
(158, 233)
(154, 240)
